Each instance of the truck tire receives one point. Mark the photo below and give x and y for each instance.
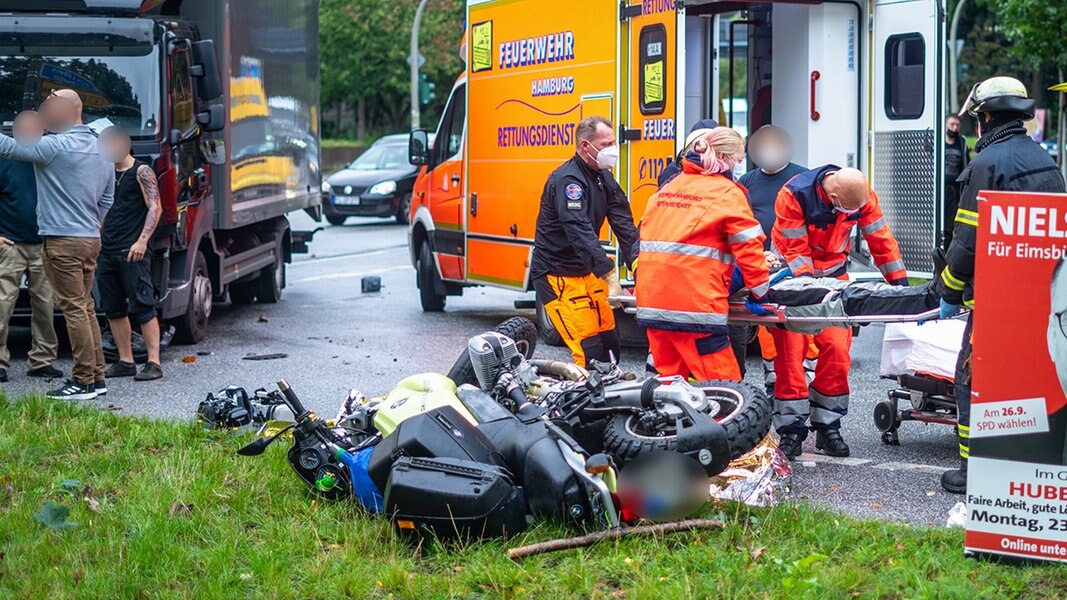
(271, 280)
(519, 329)
(546, 328)
(192, 326)
(745, 414)
(242, 292)
(404, 209)
(427, 281)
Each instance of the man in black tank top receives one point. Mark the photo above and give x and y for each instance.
(123, 272)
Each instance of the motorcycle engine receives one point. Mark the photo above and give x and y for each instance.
(493, 354)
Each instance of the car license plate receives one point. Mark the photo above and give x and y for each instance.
(346, 200)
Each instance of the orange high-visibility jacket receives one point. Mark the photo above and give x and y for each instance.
(694, 230)
(815, 239)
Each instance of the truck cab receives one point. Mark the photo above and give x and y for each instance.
(192, 84)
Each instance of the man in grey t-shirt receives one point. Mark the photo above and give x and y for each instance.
(75, 188)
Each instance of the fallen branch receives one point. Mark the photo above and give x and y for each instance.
(612, 534)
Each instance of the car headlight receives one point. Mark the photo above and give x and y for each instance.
(325, 187)
(384, 188)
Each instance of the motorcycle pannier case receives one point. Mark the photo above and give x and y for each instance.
(440, 433)
(453, 499)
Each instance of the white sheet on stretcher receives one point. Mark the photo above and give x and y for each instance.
(928, 348)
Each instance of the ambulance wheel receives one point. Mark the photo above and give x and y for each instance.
(519, 329)
(427, 280)
(742, 410)
(336, 220)
(547, 329)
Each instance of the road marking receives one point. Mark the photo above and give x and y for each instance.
(336, 276)
(810, 460)
(902, 466)
(336, 257)
(848, 461)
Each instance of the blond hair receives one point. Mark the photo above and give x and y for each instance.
(719, 149)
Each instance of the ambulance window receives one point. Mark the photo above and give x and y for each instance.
(449, 140)
(652, 67)
(905, 76)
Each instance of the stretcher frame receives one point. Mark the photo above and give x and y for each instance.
(740, 313)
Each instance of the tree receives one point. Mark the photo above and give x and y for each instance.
(1037, 30)
(364, 57)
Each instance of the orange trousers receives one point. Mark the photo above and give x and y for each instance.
(826, 400)
(697, 356)
(583, 318)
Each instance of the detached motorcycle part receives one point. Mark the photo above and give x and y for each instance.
(439, 433)
(519, 329)
(743, 412)
(453, 499)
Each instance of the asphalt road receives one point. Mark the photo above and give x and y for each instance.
(336, 338)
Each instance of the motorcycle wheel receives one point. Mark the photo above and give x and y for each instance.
(744, 412)
(519, 329)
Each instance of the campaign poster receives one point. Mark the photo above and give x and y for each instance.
(1017, 475)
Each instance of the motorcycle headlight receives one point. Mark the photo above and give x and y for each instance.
(384, 188)
(325, 187)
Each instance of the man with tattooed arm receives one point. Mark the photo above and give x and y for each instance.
(124, 270)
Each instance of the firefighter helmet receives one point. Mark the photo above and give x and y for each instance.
(999, 94)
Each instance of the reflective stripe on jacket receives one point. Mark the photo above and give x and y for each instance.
(815, 239)
(693, 232)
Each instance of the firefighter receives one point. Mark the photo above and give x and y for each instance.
(1007, 159)
(571, 272)
(817, 212)
(695, 229)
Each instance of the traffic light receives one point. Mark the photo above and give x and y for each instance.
(426, 87)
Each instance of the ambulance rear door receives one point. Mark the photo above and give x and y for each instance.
(535, 69)
(906, 121)
(649, 111)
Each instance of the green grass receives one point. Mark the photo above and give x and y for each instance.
(252, 530)
(346, 143)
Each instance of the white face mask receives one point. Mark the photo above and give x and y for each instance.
(607, 158)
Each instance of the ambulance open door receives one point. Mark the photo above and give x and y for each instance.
(648, 113)
(906, 121)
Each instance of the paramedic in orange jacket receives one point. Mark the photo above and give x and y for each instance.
(817, 212)
(694, 230)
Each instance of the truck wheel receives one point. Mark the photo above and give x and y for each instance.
(337, 220)
(427, 280)
(744, 412)
(192, 326)
(242, 292)
(404, 209)
(547, 329)
(270, 282)
(519, 329)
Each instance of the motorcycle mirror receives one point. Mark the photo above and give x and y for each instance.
(255, 448)
(258, 446)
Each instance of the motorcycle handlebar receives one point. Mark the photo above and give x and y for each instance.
(292, 399)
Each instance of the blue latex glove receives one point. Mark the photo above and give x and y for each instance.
(948, 310)
(756, 308)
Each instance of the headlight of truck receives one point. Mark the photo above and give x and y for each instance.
(384, 188)
(325, 187)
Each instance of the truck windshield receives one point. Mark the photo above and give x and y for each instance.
(124, 89)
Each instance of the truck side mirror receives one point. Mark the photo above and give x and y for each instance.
(212, 118)
(205, 69)
(419, 147)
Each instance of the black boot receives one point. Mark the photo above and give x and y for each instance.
(791, 442)
(830, 442)
(955, 481)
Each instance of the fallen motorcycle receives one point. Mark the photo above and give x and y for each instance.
(606, 410)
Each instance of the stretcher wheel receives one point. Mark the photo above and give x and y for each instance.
(887, 421)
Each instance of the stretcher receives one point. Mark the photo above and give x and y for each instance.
(918, 352)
